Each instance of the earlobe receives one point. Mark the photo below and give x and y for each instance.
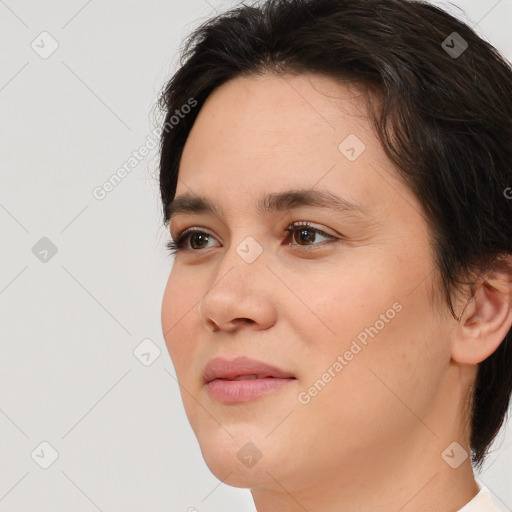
(485, 321)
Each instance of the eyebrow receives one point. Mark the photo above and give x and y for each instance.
(193, 204)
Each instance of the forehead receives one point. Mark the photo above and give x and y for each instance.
(280, 120)
(260, 134)
(278, 110)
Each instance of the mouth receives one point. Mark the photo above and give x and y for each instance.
(246, 377)
(243, 379)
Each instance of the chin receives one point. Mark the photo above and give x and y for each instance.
(236, 474)
(237, 461)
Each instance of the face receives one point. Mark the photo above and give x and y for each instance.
(341, 305)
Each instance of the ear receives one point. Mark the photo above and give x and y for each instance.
(485, 320)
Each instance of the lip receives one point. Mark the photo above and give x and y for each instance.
(219, 376)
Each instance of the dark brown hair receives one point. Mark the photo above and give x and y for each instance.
(444, 118)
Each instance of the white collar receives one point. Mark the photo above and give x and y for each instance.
(482, 502)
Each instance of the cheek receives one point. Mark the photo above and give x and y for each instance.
(337, 304)
(387, 335)
(381, 391)
(178, 316)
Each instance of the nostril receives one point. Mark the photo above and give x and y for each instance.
(211, 325)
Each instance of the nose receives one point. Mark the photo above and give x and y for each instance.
(239, 296)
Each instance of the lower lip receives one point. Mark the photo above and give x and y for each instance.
(232, 391)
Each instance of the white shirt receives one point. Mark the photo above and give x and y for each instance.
(482, 502)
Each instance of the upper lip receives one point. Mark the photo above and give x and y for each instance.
(221, 368)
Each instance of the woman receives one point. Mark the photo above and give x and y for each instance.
(335, 177)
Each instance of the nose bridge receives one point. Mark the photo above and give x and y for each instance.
(241, 265)
(236, 290)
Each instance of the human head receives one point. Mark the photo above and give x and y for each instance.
(444, 122)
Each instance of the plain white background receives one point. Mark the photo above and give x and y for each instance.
(71, 321)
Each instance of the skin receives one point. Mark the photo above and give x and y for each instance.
(372, 438)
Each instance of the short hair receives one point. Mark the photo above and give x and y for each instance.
(444, 118)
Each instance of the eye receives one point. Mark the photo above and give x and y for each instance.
(302, 232)
(197, 237)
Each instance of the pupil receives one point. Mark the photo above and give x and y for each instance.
(304, 237)
(195, 237)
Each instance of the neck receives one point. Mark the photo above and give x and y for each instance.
(389, 485)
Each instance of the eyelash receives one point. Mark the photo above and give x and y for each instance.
(175, 247)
